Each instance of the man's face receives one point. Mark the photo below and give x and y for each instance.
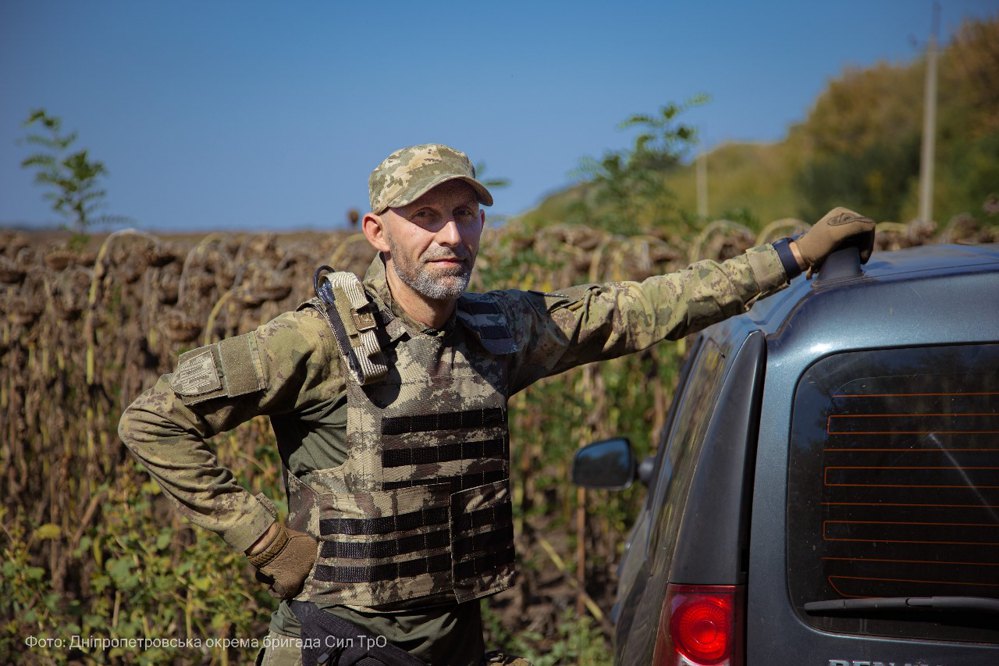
(434, 240)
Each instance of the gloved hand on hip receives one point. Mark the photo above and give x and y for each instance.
(283, 558)
(837, 228)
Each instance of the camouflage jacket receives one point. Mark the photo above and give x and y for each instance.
(289, 369)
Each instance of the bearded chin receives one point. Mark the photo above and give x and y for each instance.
(435, 287)
(419, 277)
(440, 288)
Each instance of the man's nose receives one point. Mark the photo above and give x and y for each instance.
(449, 235)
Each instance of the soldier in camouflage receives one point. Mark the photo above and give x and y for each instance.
(388, 401)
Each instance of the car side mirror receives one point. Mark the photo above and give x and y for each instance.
(607, 465)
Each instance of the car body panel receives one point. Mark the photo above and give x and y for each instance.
(923, 296)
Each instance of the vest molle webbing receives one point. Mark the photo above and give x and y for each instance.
(420, 511)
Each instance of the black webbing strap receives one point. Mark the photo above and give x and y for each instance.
(354, 550)
(389, 571)
(333, 641)
(484, 564)
(462, 482)
(493, 515)
(473, 418)
(385, 524)
(422, 455)
(491, 542)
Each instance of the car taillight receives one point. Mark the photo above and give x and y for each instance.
(700, 625)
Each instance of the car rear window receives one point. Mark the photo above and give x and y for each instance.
(894, 486)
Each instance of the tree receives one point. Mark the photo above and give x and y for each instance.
(967, 166)
(71, 176)
(629, 187)
(861, 143)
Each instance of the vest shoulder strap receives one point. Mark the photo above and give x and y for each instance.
(341, 299)
(482, 315)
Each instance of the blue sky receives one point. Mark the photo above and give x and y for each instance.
(254, 115)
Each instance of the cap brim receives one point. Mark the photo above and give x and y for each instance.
(481, 193)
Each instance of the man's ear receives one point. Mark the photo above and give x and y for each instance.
(373, 227)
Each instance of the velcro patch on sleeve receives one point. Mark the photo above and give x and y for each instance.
(241, 369)
(196, 373)
(228, 368)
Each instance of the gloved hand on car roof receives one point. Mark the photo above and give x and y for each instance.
(837, 228)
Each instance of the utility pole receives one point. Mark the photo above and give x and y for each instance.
(702, 185)
(929, 123)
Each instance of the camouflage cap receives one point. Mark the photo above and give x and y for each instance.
(409, 173)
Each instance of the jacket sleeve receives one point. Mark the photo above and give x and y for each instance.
(281, 366)
(558, 331)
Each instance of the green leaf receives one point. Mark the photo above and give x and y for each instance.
(48, 531)
(121, 573)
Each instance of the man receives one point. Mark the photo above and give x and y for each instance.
(388, 402)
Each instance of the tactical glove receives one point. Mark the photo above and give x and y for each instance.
(285, 560)
(838, 227)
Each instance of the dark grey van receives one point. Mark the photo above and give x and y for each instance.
(826, 489)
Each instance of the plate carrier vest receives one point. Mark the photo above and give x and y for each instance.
(419, 513)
